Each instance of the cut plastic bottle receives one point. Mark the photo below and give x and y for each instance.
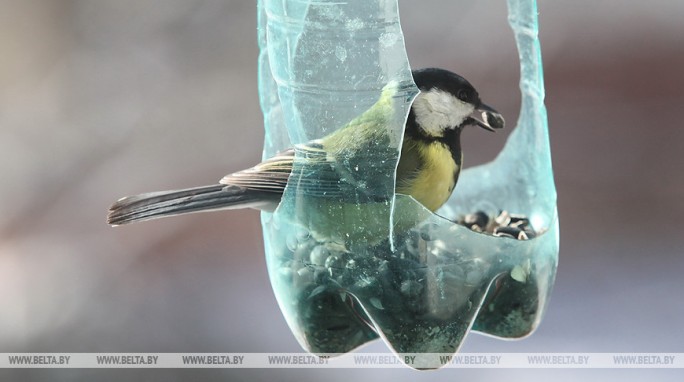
(348, 259)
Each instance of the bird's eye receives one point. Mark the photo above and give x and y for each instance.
(463, 95)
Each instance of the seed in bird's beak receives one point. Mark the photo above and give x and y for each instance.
(493, 119)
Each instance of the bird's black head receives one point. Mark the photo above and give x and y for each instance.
(448, 101)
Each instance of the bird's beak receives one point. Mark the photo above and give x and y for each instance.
(490, 119)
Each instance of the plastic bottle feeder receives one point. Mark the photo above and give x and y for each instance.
(356, 262)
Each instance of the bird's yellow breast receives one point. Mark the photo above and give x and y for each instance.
(436, 177)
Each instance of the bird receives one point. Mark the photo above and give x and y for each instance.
(428, 168)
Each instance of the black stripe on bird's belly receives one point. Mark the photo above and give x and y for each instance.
(451, 139)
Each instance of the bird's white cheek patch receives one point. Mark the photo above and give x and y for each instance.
(437, 110)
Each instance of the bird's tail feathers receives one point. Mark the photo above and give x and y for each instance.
(155, 205)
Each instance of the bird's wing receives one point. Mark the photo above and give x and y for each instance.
(270, 175)
(317, 177)
(313, 170)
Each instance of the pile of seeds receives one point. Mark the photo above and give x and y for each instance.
(503, 225)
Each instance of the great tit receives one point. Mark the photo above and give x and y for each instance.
(429, 163)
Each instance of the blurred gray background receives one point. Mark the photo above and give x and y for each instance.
(100, 99)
